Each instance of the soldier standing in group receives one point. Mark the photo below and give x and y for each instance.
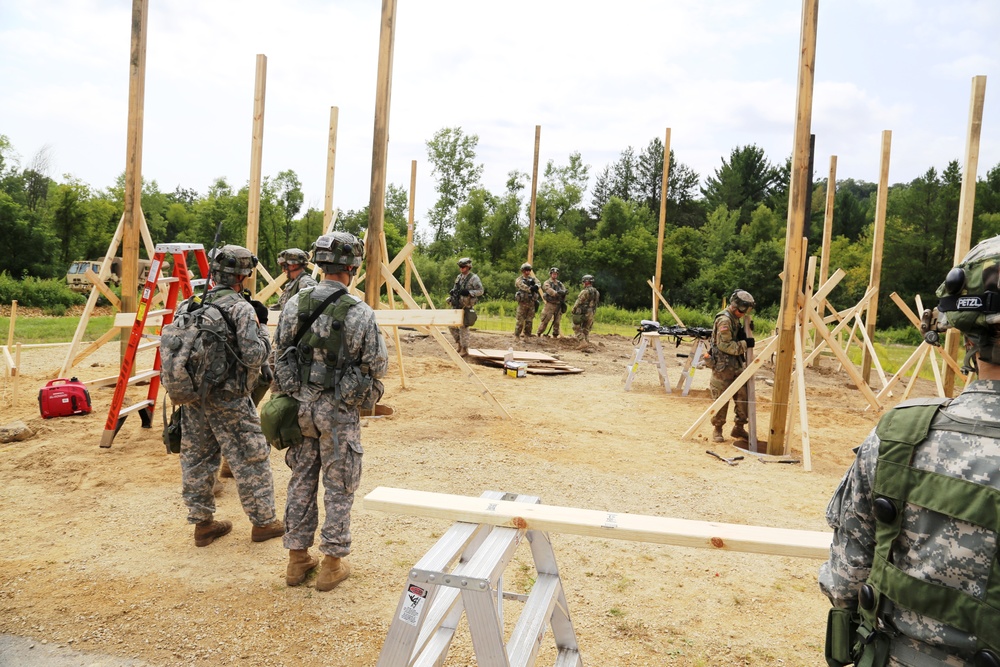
(554, 294)
(338, 363)
(728, 350)
(464, 294)
(527, 296)
(225, 422)
(913, 565)
(584, 309)
(293, 262)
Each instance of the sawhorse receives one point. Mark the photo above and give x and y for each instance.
(687, 374)
(437, 594)
(661, 364)
(179, 283)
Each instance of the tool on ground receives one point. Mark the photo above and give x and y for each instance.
(732, 461)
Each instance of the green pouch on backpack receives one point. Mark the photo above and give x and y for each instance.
(279, 420)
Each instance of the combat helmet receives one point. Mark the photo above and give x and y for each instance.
(338, 251)
(231, 263)
(554, 269)
(970, 302)
(465, 261)
(526, 267)
(293, 256)
(742, 299)
(587, 279)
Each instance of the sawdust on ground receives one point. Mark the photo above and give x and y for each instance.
(97, 556)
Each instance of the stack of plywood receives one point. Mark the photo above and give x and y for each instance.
(539, 363)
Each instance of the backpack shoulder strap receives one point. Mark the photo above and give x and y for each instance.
(304, 327)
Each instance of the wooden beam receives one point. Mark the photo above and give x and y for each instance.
(798, 203)
(133, 158)
(419, 318)
(97, 344)
(866, 391)
(602, 524)
(409, 221)
(331, 167)
(256, 158)
(13, 319)
(800, 387)
(534, 192)
(910, 315)
(658, 276)
(831, 195)
(102, 288)
(878, 238)
(666, 305)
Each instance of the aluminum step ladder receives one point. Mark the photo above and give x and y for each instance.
(178, 284)
(661, 364)
(463, 574)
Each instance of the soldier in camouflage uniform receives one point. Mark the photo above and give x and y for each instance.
(225, 422)
(527, 295)
(912, 573)
(584, 309)
(328, 416)
(293, 262)
(554, 294)
(464, 294)
(728, 350)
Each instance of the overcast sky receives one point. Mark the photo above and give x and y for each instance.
(596, 76)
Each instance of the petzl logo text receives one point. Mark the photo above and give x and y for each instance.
(970, 303)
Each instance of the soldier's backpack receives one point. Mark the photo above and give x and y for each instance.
(194, 352)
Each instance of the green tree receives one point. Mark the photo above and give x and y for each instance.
(560, 194)
(743, 183)
(452, 154)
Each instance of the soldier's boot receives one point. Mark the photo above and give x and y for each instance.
(334, 571)
(270, 531)
(206, 531)
(717, 434)
(300, 563)
(739, 432)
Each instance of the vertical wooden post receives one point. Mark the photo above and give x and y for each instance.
(256, 153)
(798, 202)
(10, 327)
(331, 165)
(658, 277)
(380, 151)
(534, 191)
(963, 235)
(831, 194)
(16, 380)
(409, 222)
(132, 217)
(878, 237)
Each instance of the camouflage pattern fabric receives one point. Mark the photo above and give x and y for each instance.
(227, 423)
(554, 294)
(331, 447)
(730, 360)
(931, 546)
(585, 306)
(471, 282)
(293, 287)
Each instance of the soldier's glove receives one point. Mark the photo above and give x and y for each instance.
(534, 288)
(261, 311)
(266, 374)
(464, 292)
(750, 342)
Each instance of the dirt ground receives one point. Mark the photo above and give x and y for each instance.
(97, 556)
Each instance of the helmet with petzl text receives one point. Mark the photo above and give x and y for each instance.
(969, 300)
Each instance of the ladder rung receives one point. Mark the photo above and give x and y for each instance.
(157, 313)
(168, 280)
(145, 375)
(135, 408)
(527, 636)
(100, 382)
(146, 346)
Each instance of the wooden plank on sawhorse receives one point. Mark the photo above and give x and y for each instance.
(437, 595)
(640, 350)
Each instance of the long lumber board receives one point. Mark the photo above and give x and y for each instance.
(519, 355)
(605, 524)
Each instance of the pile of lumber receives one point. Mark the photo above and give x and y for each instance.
(539, 363)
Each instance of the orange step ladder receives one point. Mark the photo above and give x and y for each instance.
(179, 284)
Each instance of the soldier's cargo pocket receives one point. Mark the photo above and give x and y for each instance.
(352, 465)
(252, 442)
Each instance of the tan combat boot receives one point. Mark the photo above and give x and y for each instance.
(206, 531)
(717, 434)
(270, 531)
(739, 432)
(334, 571)
(300, 562)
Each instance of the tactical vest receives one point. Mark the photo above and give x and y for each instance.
(326, 372)
(722, 361)
(897, 482)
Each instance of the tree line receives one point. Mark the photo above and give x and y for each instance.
(724, 231)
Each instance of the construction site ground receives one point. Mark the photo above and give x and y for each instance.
(98, 560)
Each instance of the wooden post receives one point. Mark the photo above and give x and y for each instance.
(963, 235)
(877, 241)
(409, 222)
(16, 380)
(534, 191)
(10, 326)
(380, 151)
(331, 165)
(658, 277)
(798, 201)
(831, 194)
(133, 161)
(256, 153)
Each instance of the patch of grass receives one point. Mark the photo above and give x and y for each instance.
(615, 612)
(33, 330)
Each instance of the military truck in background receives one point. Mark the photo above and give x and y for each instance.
(76, 276)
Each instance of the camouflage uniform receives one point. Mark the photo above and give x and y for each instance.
(730, 360)
(226, 422)
(554, 294)
(331, 447)
(931, 546)
(293, 287)
(585, 306)
(527, 305)
(471, 282)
